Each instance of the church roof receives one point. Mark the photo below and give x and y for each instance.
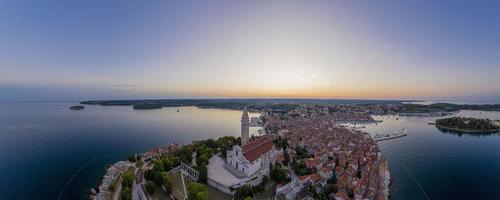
(255, 148)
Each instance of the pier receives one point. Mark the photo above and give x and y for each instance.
(381, 137)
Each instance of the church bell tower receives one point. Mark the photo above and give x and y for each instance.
(245, 127)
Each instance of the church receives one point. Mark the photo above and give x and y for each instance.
(244, 164)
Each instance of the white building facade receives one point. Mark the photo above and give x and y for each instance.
(245, 164)
(250, 158)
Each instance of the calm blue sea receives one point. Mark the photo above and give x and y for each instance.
(431, 164)
(48, 151)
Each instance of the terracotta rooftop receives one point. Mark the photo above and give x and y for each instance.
(255, 148)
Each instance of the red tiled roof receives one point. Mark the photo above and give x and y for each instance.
(341, 195)
(313, 177)
(253, 149)
(310, 162)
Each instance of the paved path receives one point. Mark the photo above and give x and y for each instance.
(116, 194)
(135, 190)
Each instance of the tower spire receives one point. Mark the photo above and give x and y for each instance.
(245, 126)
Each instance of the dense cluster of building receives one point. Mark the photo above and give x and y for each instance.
(352, 157)
(334, 157)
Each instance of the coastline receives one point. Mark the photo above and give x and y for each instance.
(386, 180)
(111, 177)
(467, 130)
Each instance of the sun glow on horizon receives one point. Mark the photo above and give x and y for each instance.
(245, 49)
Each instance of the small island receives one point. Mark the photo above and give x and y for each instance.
(76, 107)
(468, 125)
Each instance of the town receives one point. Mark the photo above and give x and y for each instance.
(304, 153)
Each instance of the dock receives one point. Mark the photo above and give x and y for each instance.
(381, 137)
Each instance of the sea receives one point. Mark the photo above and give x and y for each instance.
(48, 151)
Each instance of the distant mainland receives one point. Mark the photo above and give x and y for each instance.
(468, 125)
(285, 104)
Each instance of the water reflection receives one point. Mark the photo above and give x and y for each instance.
(440, 164)
(473, 134)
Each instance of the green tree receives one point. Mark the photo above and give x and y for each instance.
(126, 194)
(278, 175)
(244, 192)
(327, 191)
(226, 143)
(170, 162)
(139, 164)
(203, 158)
(158, 166)
(202, 169)
(265, 180)
(132, 158)
(128, 178)
(302, 152)
(150, 187)
(167, 182)
(185, 153)
(149, 175)
(300, 168)
(281, 143)
(158, 178)
(197, 191)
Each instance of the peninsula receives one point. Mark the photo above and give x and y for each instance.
(304, 153)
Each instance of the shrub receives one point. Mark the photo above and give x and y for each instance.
(132, 158)
(126, 194)
(150, 188)
(197, 191)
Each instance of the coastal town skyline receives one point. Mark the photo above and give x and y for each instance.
(249, 100)
(327, 49)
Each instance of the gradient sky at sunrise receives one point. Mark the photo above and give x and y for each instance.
(81, 50)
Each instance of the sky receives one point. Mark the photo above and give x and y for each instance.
(376, 49)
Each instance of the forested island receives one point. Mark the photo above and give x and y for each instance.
(470, 125)
(76, 107)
